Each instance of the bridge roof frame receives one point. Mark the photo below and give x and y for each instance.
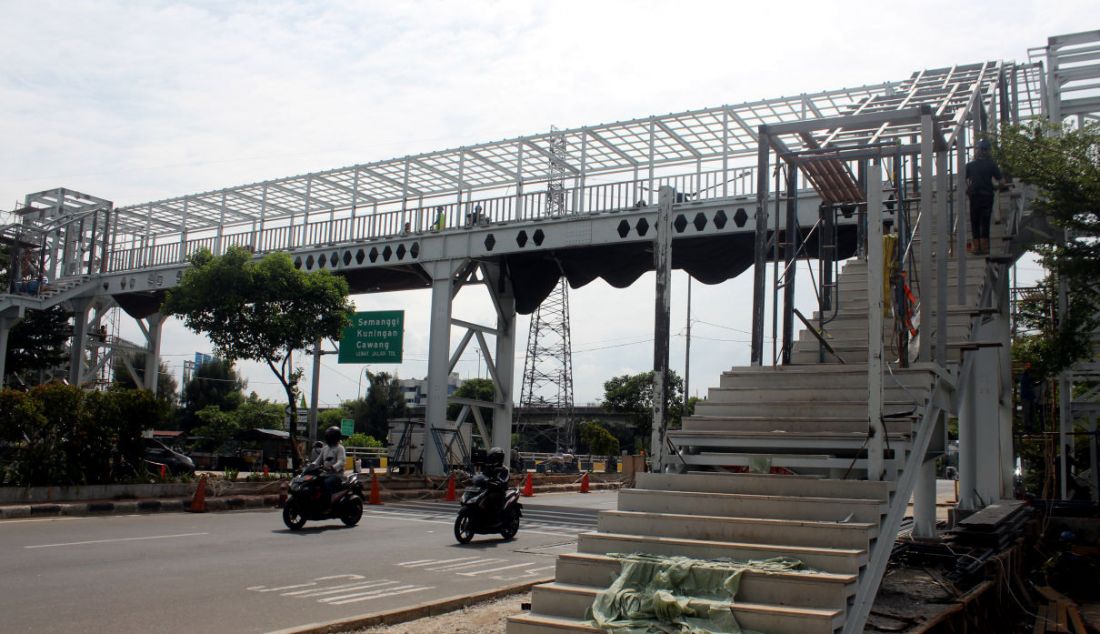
(711, 134)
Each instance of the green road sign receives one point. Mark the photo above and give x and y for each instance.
(373, 337)
(347, 426)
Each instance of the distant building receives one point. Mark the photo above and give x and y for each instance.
(415, 391)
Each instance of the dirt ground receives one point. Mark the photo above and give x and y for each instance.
(483, 618)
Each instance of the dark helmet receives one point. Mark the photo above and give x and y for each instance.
(318, 444)
(495, 457)
(984, 148)
(332, 435)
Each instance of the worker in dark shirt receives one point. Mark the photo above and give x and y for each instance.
(980, 176)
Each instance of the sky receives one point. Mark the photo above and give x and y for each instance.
(138, 101)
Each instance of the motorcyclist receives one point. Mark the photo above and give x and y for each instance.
(331, 460)
(497, 474)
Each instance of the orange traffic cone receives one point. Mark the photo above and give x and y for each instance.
(375, 494)
(528, 487)
(198, 503)
(584, 482)
(451, 495)
(267, 471)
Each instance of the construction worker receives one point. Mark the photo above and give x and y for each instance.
(982, 174)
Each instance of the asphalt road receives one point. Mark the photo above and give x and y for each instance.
(244, 572)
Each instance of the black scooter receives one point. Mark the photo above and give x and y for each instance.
(307, 499)
(479, 514)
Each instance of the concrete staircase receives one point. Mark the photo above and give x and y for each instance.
(807, 424)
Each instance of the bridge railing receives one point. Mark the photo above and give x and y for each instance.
(283, 235)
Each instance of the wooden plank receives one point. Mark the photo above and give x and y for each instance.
(1041, 619)
(1075, 620)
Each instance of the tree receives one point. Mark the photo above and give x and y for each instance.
(214, 383)
(261, 310)
(167, 386)
(632, 395)
(599, 441)
(38, 341)
(475, 389)
(1064, 166)
(260, 413)
(384, 401)
(215, 427)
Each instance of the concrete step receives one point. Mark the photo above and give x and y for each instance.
(539, 624)
(803, 508)
(764, 484)
(852, 424)
(798, 407)
(739, 529)
(817, 464)
(834, 560)
(785, 441)
(802, 589)
(570, 601)
(778, 393)
(850, 376)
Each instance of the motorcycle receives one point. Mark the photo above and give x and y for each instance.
(480, 515)
(307, 499)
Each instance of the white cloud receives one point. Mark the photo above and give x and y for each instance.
(137, 101)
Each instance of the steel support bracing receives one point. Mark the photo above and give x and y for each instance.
(760, 247)
(80, 307)
(924, 501)
(875, 427)
(662, 261)
(154, 327)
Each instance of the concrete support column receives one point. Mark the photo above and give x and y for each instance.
(967, 440)
(154, 323)
(980, 460)
(439, 347)
(80, 308)
(1006, 404)
(876, 444)
(7, 322)
(505, 355)
(924, 501)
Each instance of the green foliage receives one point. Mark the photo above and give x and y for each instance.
(261, 310)
(332, 417)
(259, 413)
(632, 395)
(215, 427)
(61, 435)
(38, 341)
(599, 441)
(362, 440)
(384, 402)
(476, 389)
(214, 383)
(1064, 166)
(167, 386)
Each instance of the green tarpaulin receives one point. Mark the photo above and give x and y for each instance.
(656, 594)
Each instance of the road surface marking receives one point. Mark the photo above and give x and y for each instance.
(395, 592)
(407, 517)
(267, 589)
(476, 562)
(119, 539)
(415, 561)
(344, 588)
(39, 519)
(487, 571)
(432, 562)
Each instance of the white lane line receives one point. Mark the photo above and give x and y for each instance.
(330, 577)
(120, 539)
(380, 596)
(347, 588)
(267, 589)
(415, 561)
(322, 588)
(39, 519)
(485, 572)
(440, 561)
(476, 562)
(405, 517)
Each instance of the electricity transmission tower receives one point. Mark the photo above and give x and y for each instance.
(547, 389)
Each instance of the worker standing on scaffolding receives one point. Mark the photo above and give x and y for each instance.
(980, 176)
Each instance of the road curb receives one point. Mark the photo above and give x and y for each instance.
(411, 613)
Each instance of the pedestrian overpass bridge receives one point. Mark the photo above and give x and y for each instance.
(857, 406)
